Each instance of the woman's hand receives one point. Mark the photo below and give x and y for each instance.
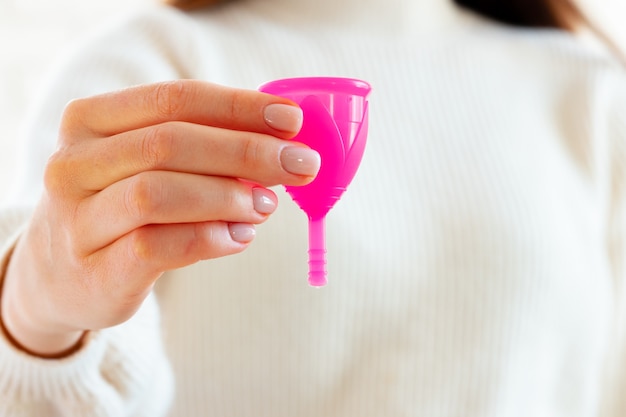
(145, 180)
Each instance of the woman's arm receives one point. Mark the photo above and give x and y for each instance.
(143, 180)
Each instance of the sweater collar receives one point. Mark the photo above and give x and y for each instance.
(416, 18)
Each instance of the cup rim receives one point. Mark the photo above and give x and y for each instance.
(293, 85)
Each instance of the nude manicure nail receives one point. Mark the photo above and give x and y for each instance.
(263, 200)
(283, 117)
(242, 232)
(300, 160)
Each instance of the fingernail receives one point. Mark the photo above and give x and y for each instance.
(283, 117)
(263, 200)
(242, 232)
(300, 160)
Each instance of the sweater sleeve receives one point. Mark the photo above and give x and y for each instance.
(121, 371)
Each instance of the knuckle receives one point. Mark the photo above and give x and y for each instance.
(71, 117)
(210, 241)
(157, 145)
(229, 199)
(140, 248)
(56, 178)
(235, 102)
(237, 202)
(141, 196)
(250, 153)
(205, 242)
(169, 97)
(194, 247)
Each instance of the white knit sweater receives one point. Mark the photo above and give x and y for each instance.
(477, 264)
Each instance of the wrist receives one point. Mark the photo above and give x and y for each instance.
(39, 344)
(18, 328)
(44, 346)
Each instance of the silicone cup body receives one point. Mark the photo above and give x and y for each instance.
(335, 125)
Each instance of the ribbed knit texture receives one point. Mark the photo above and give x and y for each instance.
(476, 263)
(135, 381)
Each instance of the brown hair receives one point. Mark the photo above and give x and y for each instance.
(191, 4)
(562, 14)
(558, 14)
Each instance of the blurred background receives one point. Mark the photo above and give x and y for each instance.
(33, 33)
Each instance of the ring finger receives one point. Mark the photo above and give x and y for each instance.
(162, 197)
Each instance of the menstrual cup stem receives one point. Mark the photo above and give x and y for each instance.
(317, 252)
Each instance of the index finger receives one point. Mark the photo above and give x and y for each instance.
(190, 101)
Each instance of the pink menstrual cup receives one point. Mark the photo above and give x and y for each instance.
(335, 125)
